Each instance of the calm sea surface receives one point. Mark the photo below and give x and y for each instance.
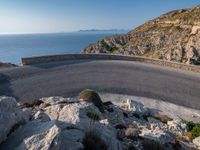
(13, 47)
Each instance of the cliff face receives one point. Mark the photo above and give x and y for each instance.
(174, 36)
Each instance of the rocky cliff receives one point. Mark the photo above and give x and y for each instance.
(174, 36)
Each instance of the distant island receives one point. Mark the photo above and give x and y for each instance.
(120, 31)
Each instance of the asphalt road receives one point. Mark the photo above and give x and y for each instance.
(68, 78)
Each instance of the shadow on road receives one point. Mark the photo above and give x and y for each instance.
(5, 88)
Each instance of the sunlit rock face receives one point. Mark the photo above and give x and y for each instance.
(174, 36)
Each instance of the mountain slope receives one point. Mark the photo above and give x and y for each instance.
(174, 36)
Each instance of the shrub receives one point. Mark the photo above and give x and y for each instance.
(151, 145)
(33, 103)
(162, 118)
(190, 125)
(93, 115)
(92, 141)
(91, 96)
(108, 47)
(194, 129)
(136, 115)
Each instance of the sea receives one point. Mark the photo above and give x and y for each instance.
(14, 47)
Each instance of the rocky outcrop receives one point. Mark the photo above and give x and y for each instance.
(72, 124)
(174, 36)
(10, 116)
(196, 141)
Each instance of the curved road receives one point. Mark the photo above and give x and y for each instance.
(68, 78)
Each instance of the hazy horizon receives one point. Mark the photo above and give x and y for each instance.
(47, 16)
(69, 32)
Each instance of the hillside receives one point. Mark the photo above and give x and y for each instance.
(174, 36)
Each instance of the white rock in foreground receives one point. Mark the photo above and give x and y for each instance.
(196, 142)
(63, 124)
(136, 106)
(42, 141)
(10, 116)
(156, 135)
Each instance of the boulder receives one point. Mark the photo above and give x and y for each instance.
(196, 142)
(73, 114)
(116, 116)
(30, 135)
(156, 135)
(64, 125)
(11, 116)
(44, 140)
(177, 127)
(135, 106)
(41, 116)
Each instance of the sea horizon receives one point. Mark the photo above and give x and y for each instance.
(15, 46)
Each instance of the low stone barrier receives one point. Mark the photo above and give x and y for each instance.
(53, 58)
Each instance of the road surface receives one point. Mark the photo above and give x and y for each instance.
(68, 78)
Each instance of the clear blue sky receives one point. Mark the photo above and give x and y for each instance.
(33, 16)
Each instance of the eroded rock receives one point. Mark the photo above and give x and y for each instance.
(196, 142)
(62, 124)
(10, 116)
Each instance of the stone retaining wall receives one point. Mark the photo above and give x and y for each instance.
(53, 58)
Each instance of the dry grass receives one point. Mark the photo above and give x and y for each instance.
(89, 95)
(32, 104)
(93, 141)
(93, 115)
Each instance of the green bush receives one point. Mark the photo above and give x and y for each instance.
(93, 115)
(92, 141)
(108, 47)
(190, 125)
(194, 129)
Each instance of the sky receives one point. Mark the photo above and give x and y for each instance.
(47, 16)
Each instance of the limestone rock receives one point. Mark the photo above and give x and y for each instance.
(31, 132)
(41, 116)
(156, 135)
(10, 116)
(136, 106)
(56, 100)
(75, 114)
(177, 127)
(196, 141)
(64, 125)
(44, 141)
